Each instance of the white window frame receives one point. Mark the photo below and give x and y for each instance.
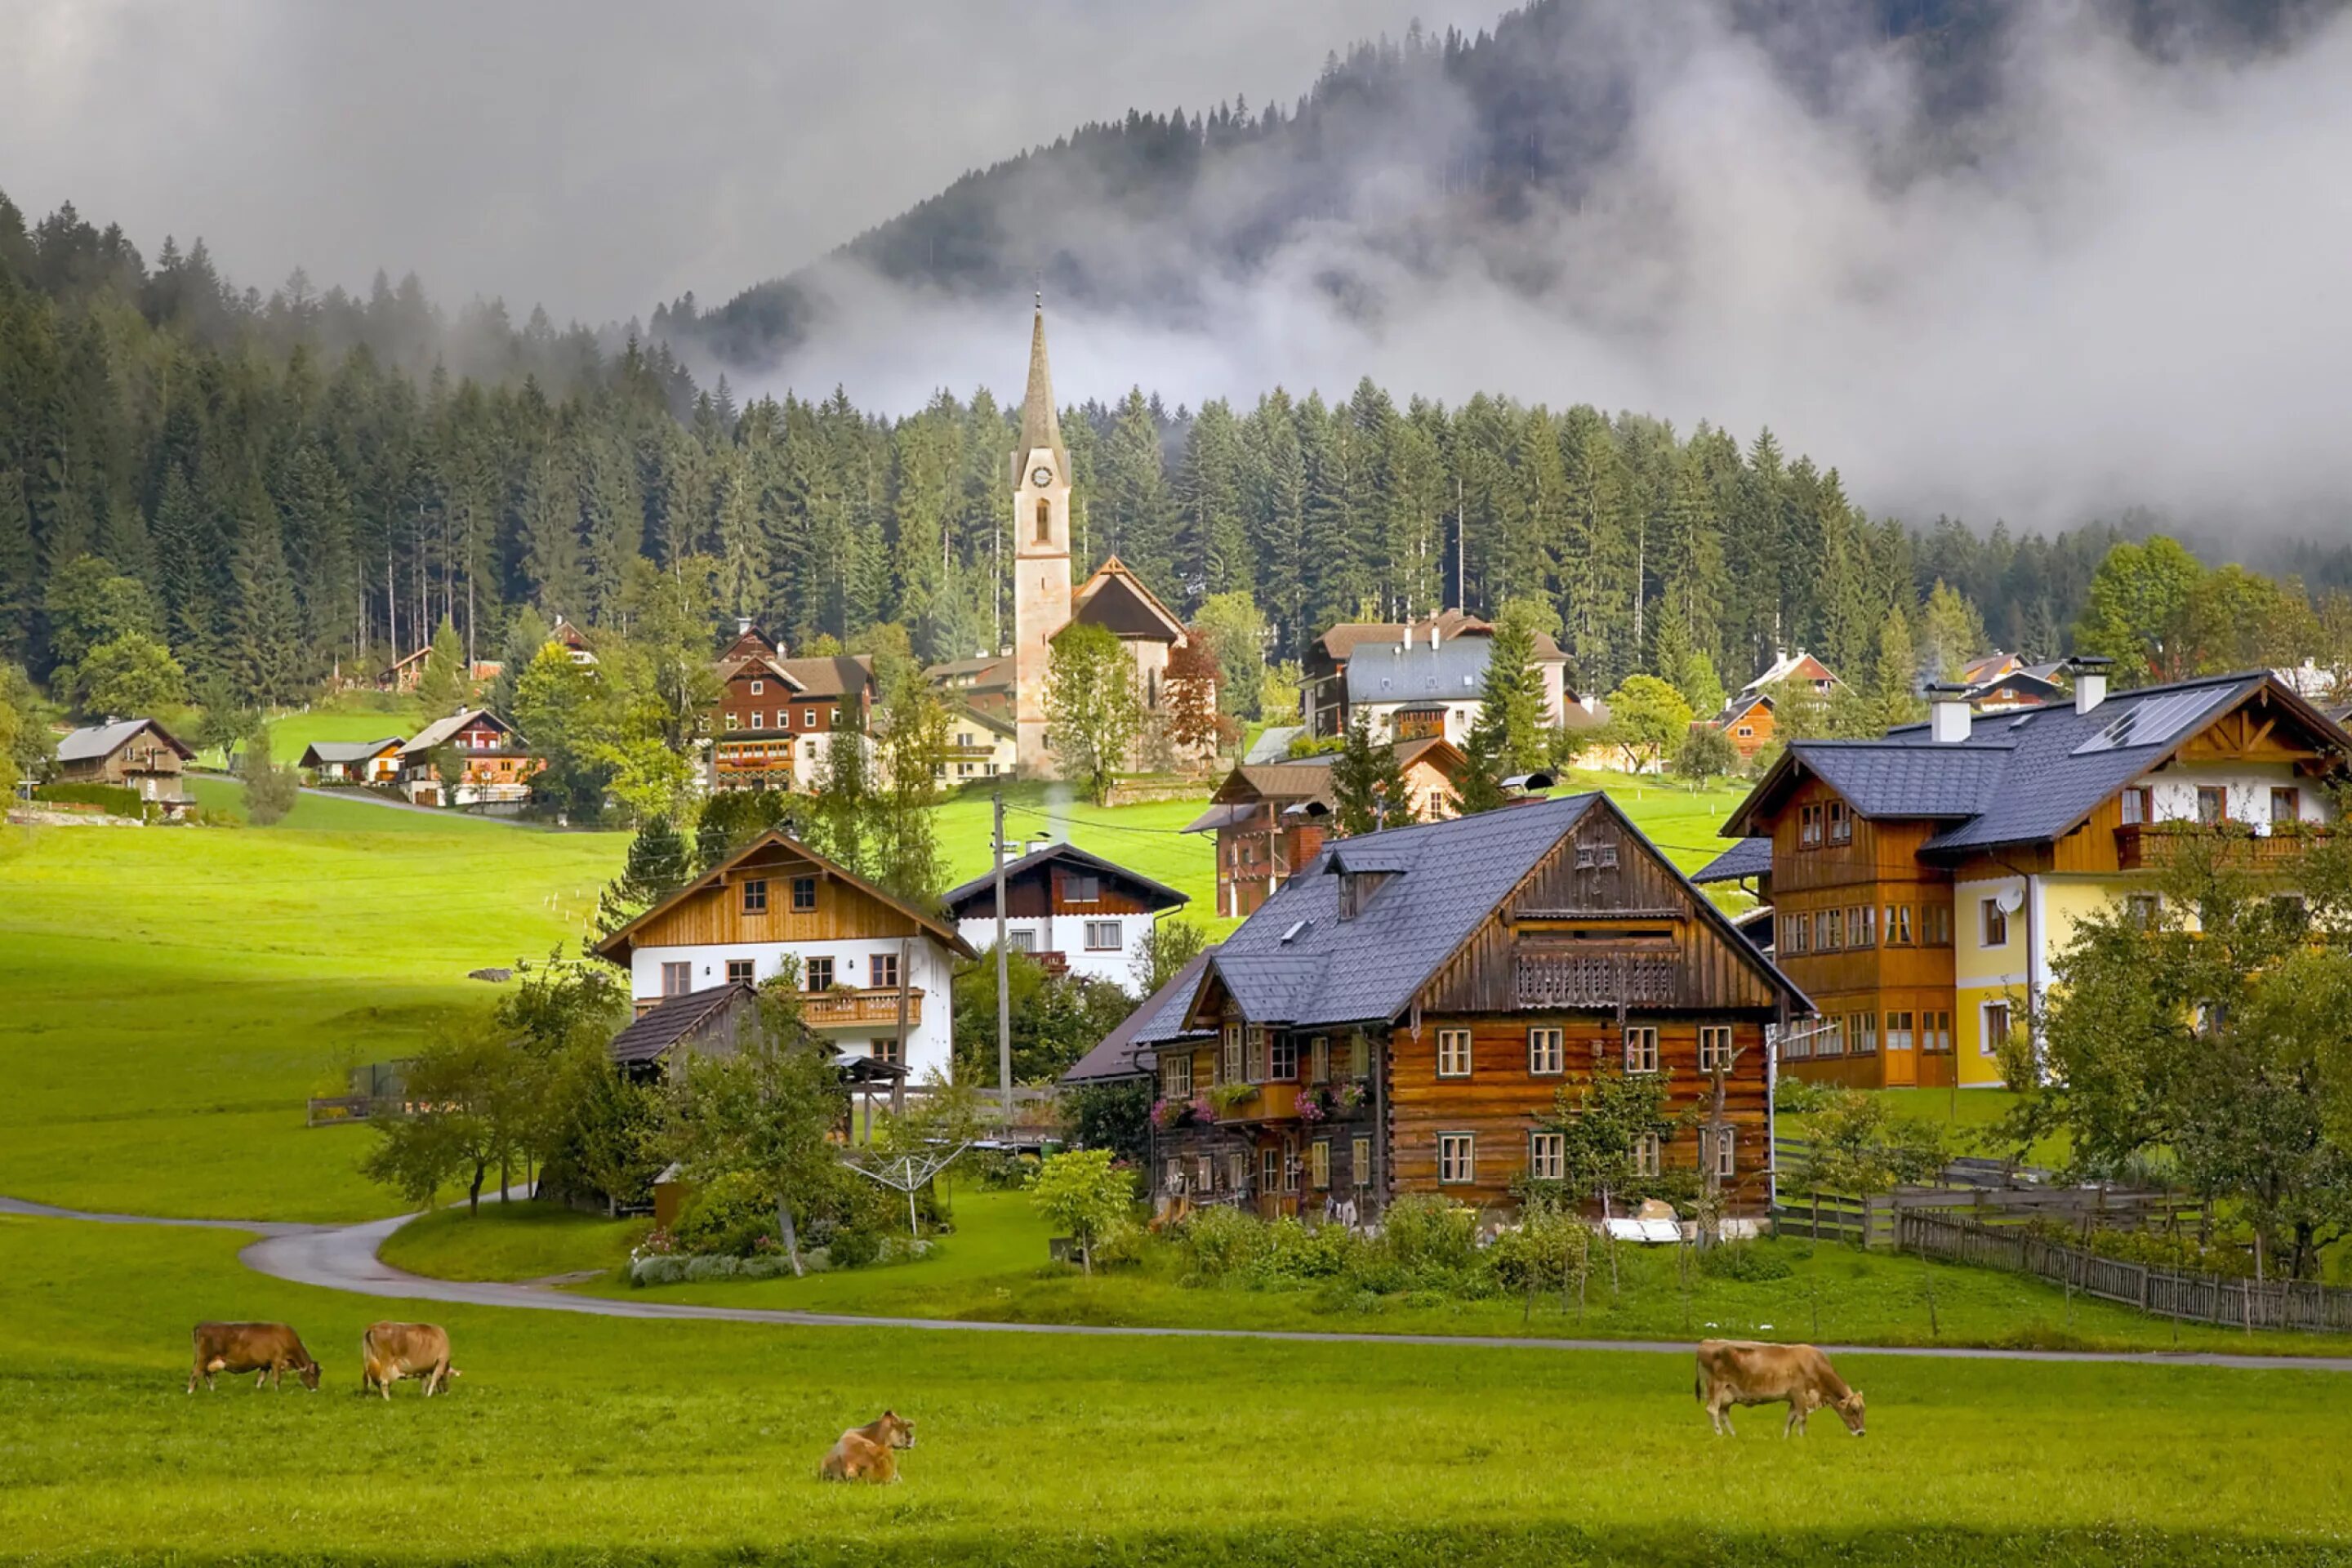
(1727, 1150)
(1230, 1061)
(1547, 1156)
(1990, 916)
(1546, 1052)
(1715, 1046)
(1282, 1058)
(1256, 1048)
(1458, 1159)
(1453, 1053)
(1641, 1047)
(1318, 1164)
(1989, 1038)
(1176, 1076)
(1649, 1154)
(1359, 1159)
(1094, 930)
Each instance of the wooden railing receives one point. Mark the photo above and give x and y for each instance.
(2141, 846)
(879, 1004)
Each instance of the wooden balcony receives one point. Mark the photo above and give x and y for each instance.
(875, 1007)
(2142, 847)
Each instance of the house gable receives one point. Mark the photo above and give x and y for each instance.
(719, 907)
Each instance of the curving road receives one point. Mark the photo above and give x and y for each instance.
(344, 1257)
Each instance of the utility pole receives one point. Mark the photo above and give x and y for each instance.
(1003, 992)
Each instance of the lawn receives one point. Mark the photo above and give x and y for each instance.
(573, 1439)
(510, 1241)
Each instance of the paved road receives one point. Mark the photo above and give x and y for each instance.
(344, 1257)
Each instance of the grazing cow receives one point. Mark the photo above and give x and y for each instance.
(390, 1352)
(866, 1453)
(268, 1349)
(1742, 1371)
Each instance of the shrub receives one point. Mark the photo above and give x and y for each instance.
(1550, 1247)
(1223, 1242)
(1431, 1235)
(1745, 1261)
(113, 799)
(727, 1219)
(852, 1248)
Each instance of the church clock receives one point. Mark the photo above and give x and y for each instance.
(1041, 476)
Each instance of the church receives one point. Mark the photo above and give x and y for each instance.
(1012, 685)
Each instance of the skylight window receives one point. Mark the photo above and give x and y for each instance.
(1297, 928)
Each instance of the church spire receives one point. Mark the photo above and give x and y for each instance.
(1040, 425)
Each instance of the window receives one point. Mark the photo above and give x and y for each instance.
(1862, 1034)
(1236, 1172)
(1102, 936)
(808, 718)
(1647, 1153)
(2143, 909)
(882, 969)
(1044, 521)
(1837, 928)
(1714, 1046)
(1456, 1158)
(1831, 1041)
(1269, 1170)
(1021, 939)
(1546, 1051)
(1641, 1048)
(1547, 1156)
(804, 895)
(1996, 1028)
(1173, 1181)
(1360, 1055)
(1841, 822)
(678, 979)
(1319, 1059)
(2135, 806)
(758, 686)
(1996, 923)
(1085, 890)
(758, 720)
(1796, 1043)
(1935, 924)
(1808, 827)
(1935, 1032)
(2212, 804)
(1453, 1053)
(741, 972)
(2287, 805)
(1254, 1052)
(1204, 1171)
(755, 896)
(731, 720)
(1744, 731)
(1360, 1160)
(1898, 925)
(1229, 1068)
(819, 972)
(1284, 1059)
(1727, 1152)
(1176, 1076)
(1898, 1032)
(1859, 926)
(1318, 1164)
(886, 1050)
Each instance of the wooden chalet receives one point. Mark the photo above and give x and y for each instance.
(1922, 885)
(1748, 720)
(2000, 682)
(493, 760)
(1271, 817)
(1402, 1015)
(405, 672)
(1799, 667)
(137, 754)
(876, 971)
(352, 761)
(776, 717)
(1075, 913)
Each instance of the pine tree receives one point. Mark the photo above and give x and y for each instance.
(548, 523)
(446, 682)
(1511, 705)
(1368, 784)
(267, 658)
(20, 592)
(656, 868)
(1480, 788)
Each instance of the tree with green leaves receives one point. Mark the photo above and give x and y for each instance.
(1951, 633)
(1368, 790)
(271, 789)
(1705, 753)
(841, 818)
(1055, 1018)
(132, 675)
(1167, 947)
(1480, 786)
(446, 684)
(1087, 1193)
(911, 747)
(563, 709)
(1647, 720)
(1092, 708)
(475, 1097)
(2136, 611)
(1235, 630)
(656, 868)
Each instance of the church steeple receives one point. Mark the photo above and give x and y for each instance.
(1041, 426)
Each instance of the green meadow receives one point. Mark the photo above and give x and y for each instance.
(579, 1440)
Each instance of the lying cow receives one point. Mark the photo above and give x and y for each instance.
(867, 1453)
(268, 1349)
(1742, 1371)
(390, 1352)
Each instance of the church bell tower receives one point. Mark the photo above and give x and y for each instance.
(1041, 556)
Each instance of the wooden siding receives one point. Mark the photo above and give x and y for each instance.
(1600, 920)
(1500, 1102)
(714, 915)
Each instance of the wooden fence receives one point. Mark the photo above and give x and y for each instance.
(1873, 1221)
(2165, 1293)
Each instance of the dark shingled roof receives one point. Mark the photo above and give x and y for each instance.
(1892, 778)
(673, 1019)
(1746, 858)
(1123, 1052)
(1295, 961)
(984, 885)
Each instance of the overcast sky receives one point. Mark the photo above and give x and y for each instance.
(593, 156)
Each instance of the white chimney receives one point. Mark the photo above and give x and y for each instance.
(742, 625)
(1433, 634)
(2090, 681)
(1948, 717)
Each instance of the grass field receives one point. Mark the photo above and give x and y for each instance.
(582, 1440)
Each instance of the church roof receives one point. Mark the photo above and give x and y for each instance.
(1116, 599)
(1040, 426)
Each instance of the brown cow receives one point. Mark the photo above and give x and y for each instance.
(390, 1352)
(1742, 1371)
(866, 1453)
(268, 1349)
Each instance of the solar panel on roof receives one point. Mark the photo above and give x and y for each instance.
(2153, 721)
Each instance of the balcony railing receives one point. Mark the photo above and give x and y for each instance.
(2142, 846)
(845, 1009)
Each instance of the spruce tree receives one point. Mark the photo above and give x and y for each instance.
(446, 682)
(1512, 702)
(656, 868)
(1480, 787)
(1368, 784)
(266, 652)
(20, 592)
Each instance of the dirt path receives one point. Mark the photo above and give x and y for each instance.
(344, 1257)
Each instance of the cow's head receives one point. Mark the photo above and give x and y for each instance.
(897, 1431)
(1849, 1411)
(309, 1373)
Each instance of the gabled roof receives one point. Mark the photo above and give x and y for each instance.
(1295, 961)
(1309, 778)
(964, 712)
(1798, 664)
(1453, 671)
(1746, 858)
(407, 659)
(1116, 600)
(618, 946)
(1989, 667)
(757, 664)
(1273, 744)
(839, 676)
(1342, 641)
(2026, 776)
(1125, 1051)
(673, 1019)
(981, 890)
(94, 742)
(319, 754)
(440, 730)
(1740, 706)
(2020, 683)
(979, 668)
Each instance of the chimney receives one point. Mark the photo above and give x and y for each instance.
(1434, 636)
(1948, 712)
(2090, 680)
(742, 625)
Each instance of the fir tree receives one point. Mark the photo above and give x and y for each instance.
(266, 652)
(20, 590)
(1368, 785)
(446, 682)
(1511, 706)
(656, 868)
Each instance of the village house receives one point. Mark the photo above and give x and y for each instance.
(1799, 667)
(494, 762)
(405, 672)
(2000, 682)
(873, 971)
(980, 745)
(136, 754)
(1748, 720)
(1073, 912)
(1272, 818)
(1402, 1015)
(352, 761)
(1415, 680)
(776, 719)
(1922, 885)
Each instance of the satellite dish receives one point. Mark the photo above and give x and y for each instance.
(2009, 901)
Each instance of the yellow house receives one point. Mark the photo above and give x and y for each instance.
(1923, 884)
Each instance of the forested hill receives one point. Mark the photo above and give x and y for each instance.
(1417, 150)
